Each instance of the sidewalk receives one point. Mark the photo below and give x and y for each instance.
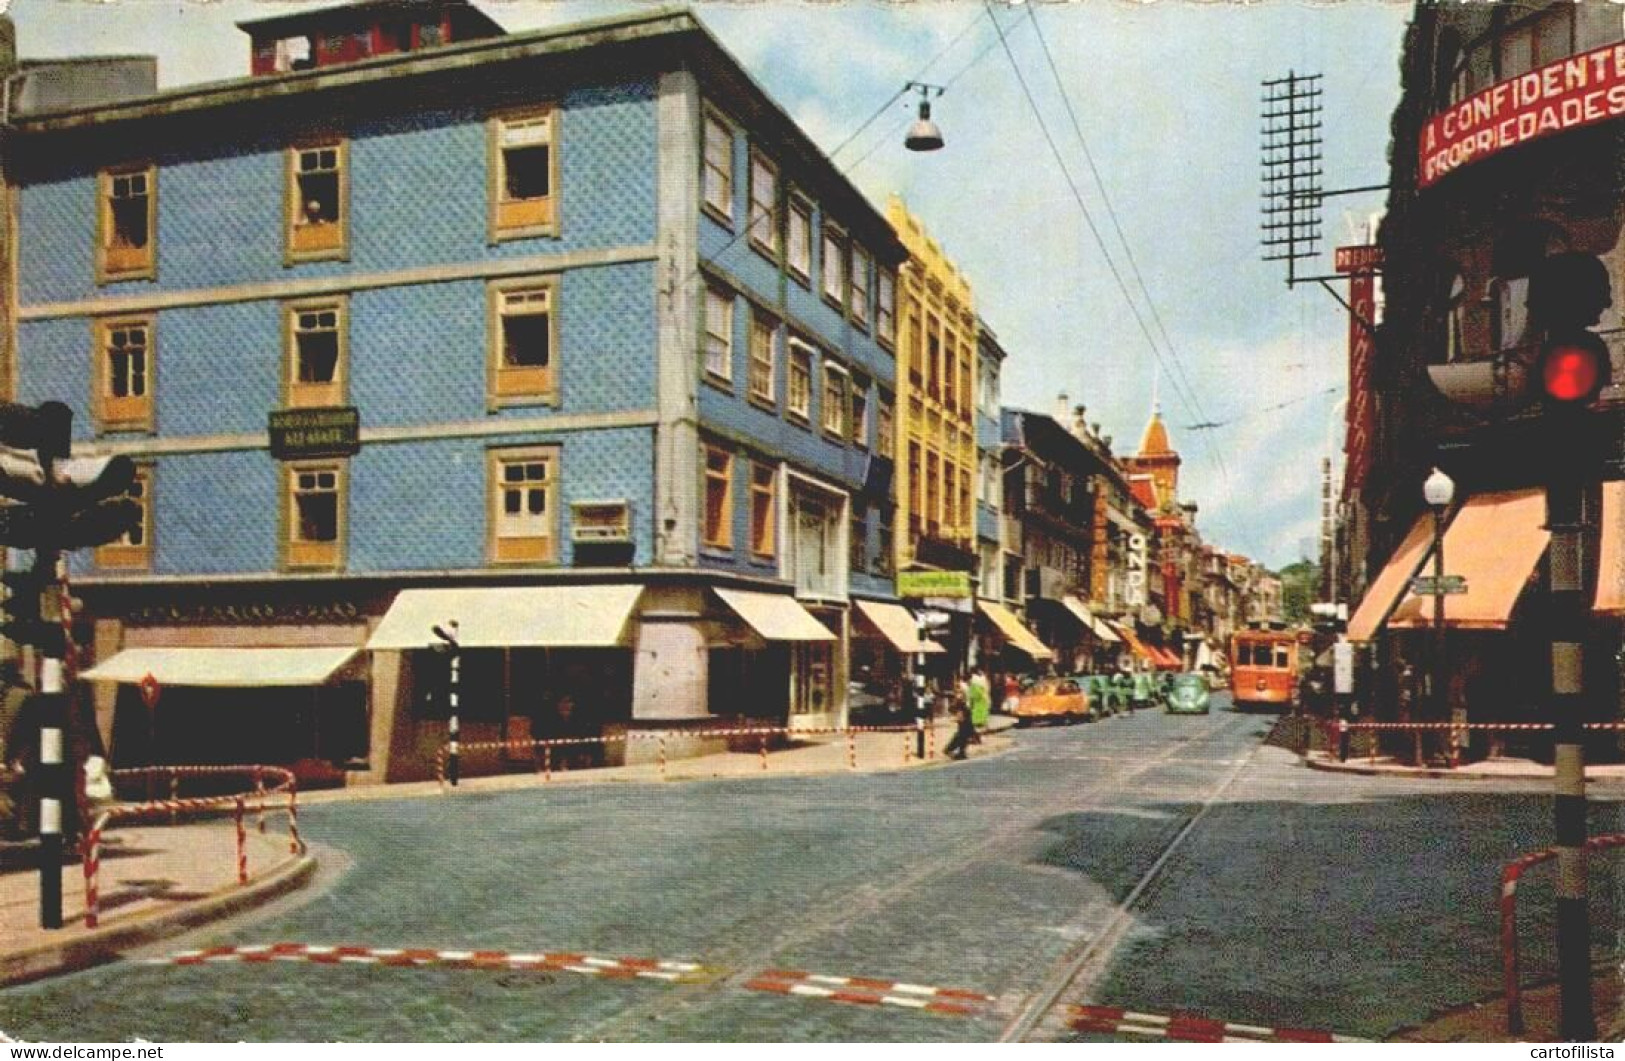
(1485, 1022)
(1484, 770)
(158, 880)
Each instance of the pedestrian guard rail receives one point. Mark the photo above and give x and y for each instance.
(1511, 873)
(542, 748)
(1454, 730)
(274, 789)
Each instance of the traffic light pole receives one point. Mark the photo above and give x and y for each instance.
(1564, 518)
(54, 777)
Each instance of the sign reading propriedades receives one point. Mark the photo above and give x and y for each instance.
(1581, 90)
(297, 434)
(953, 584)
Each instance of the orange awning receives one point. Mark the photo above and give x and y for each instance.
(1392, 580)
(1494, 542)
(1137, 646)
(1611, 568)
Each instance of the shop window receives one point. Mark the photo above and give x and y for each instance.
(523, 338)
(886, 307)
(764, 206)
(858, 301)
(799, 232)
(719, 334)
(763, 507)
(834, 255)
(133, 551)
(124, 363)
(524, 520)
(798, 385)
(318, 201)
(717, 169)
(811, 684)
(763, 337)
(525, 174)
(834, 401)
(719, 470)
(128, 222)
(314, 515)
(316, 346)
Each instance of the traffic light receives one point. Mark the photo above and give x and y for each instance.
(79, 504)
(1574, 368)
(23, 623)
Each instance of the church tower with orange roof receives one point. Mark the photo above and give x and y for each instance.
(1158, 460)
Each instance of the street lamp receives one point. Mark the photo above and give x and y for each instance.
(924, 135)
(1439, 490)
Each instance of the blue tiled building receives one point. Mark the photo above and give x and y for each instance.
(602, 344)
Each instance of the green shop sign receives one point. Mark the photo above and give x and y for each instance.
(933, 584)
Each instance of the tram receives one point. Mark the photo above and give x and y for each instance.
(1263, 668)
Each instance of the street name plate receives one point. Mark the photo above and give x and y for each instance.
(1427, 586)
(300, 433)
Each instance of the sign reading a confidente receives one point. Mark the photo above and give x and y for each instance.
(1568, 94)
(297, 434)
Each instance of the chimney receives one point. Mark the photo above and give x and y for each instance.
(1062, 408)
(1080, 425)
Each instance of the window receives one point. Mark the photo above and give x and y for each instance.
(719, 334)
(834, 265)
(764, 206)
(524, 168)
(835, 400)
(523, 527)
(916, 350)
(915, 512)
(859, 300)
(128, 219)
(964, 379)
(933, 364)
(933, 485)
(316, 345)
(800, 239)
(947, 373)
(967, 514)
(124, 374)
(763, 505)
(717, 174)
(719, 472)
(885, 542)
(318, 201)
(313, 515)
(523, 333)
(860, 412)
(988, 391)
(133, 552)
(763, 335)
(798, 388)
(858, 542)
(886, 307)
(885, 444)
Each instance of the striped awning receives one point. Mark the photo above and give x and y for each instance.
(225, 668)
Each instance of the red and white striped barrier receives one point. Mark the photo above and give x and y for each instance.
(866, 991)
(1508, 901)
(91, 845)
(542, 748)
(423, 957)
(1182, 1027)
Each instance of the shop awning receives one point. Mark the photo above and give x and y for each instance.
(1170, 659)
(1138, 647)
(238, 668)
(1611, 567)
(1081, 612)
(1392, 580)
(1494, 542)
(897, 625)
(509, 617)
(1014, 631)
(775, 617)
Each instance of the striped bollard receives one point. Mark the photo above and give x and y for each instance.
(174, 797)
(660, 755)
(851, 749)
(242, 844)
(259, 797)
(906, 743)
(547, 762)
(92, 868)
(762, 744)
(448, 636)
(930, 742)
(295, 845)
(922, 710)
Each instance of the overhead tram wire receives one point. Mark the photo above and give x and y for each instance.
(1211, 425)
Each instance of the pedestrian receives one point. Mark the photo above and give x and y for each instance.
(979, 699)
(964, 733)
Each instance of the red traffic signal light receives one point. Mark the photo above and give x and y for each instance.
(1574, 368)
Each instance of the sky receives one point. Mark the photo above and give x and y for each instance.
(1166, 98)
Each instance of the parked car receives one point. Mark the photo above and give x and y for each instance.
(1052, 700)
(1187, 695)
(1107, 695)
(1143, 690)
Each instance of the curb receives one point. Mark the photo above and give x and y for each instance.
(106, 943)
(1411, 772)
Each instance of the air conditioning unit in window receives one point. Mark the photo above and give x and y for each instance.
(596, 522)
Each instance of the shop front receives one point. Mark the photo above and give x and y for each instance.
(885, 641)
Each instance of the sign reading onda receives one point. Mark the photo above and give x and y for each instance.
(1571, 93)
(298, 434)
(954, 584)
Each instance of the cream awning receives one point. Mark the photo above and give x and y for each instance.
(240, 668)
(1391, 581)
(897, 625)
(1082, 613)
(775, 617)
(1611, 569)
(1014, 631)
(510, 617)
(1494, 542)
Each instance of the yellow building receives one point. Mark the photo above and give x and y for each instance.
(936, 401)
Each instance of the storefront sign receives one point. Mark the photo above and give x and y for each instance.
(1569, 94)
(933, 584)
(1362, 258)
(297, 434)
(245, 614)
(1361, 413)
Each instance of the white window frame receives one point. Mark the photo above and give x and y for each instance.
(718, 339)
